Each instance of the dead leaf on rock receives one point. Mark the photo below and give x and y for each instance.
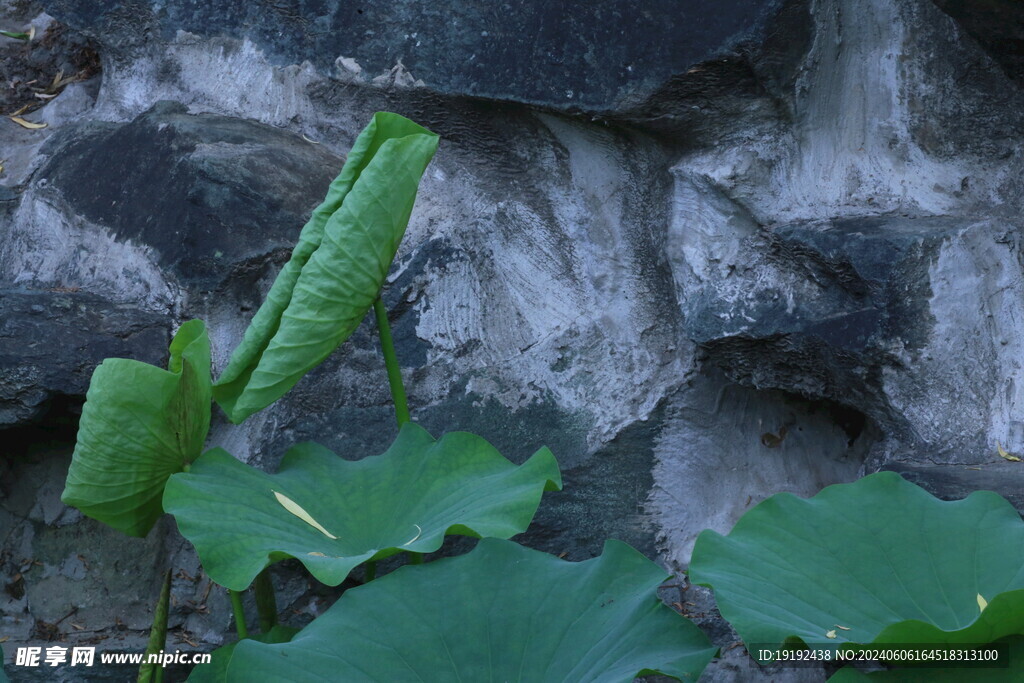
(1006, 456)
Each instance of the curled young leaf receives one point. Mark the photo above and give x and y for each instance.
(336, 270)
(140, 425)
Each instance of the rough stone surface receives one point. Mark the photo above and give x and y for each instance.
(780, 250)
(577, 54)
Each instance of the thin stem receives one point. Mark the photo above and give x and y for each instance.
(266, 601)
(236, 607)
(391, 362)
(371, 571)
(158, 675)
(415, 558)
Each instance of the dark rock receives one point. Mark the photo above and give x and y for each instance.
(574, 55)
(50, 342)
(208, 193)
(997, 25)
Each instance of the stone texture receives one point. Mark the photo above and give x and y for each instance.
(780, 252)
(570, 55)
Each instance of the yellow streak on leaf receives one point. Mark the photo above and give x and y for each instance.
(419, 532)
(26, 124)
(317, 554)
(296, 509)
(982, 603)
(845, 628)
(830, 634)
(1004, 454)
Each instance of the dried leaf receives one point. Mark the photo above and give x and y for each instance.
(830, 634)
(309, 140)
(45, 96)
(845, 628)
(982, 603)
(1003, 454)
(294, 508)
(26, 124)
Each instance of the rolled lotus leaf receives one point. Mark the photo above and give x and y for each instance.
(140, 425)
(336, 270)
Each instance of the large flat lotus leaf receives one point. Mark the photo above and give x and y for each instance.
(140, 425)
(1014, 671)
(216, 670)
(500, 613)
(336, 269)
(332, 514)
(880, 557)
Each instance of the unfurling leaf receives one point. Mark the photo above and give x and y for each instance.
(296, 509)
(140, 425)
(336, 270)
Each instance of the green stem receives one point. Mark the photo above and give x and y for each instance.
(391, 361)
(266, 602)
(236, 607)
(152, 672)
(415, 558)
(371, 571)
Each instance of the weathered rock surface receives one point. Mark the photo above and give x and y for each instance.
(577, 55)
(787, 254)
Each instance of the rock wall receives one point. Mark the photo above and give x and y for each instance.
(704, 252)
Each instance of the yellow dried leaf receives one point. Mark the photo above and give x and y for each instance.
(296, 509)
(1005, 455)
(982, 603)
(830, 634)
(309, 140)
(26, 124)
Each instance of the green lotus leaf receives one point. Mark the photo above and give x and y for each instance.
(140, 425)
(332, 514)
(217, 670)
(499, 613)
(336, 269)
(876, 561)
(1013, 671)
(3, 676)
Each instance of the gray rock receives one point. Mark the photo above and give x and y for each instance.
(574, 55)
(788, 254)
(52, 337)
